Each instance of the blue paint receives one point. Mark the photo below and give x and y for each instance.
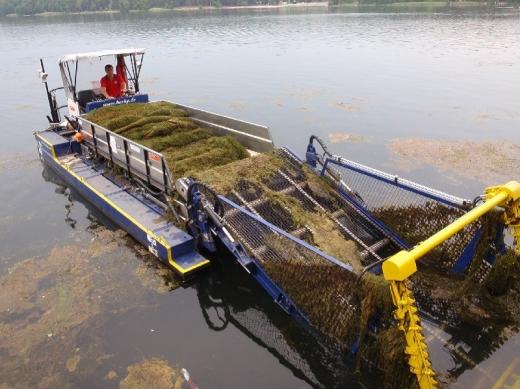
(256, 270)
(179, 247)
(121, 100)
(397, 184)
(311, 156)
(461, 265)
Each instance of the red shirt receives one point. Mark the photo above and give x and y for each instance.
(114, 86)
(121, 70)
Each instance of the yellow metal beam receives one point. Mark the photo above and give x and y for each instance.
(402, 265)
(512, 214)
(410, 323)
(507, 375)
(398, 268)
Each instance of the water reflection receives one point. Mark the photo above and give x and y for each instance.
(226, 298)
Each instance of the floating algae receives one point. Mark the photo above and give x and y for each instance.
(153, 373)
(72, 363)
(156, 278)
(489, 162)
(43, 305)
(51, 309)
(345, 137)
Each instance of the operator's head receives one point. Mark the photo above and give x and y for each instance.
(109, 70)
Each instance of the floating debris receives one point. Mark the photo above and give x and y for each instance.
(17, 161)
(347, 107)
(72, 363)
(157, 278)
(490, 162)
(344, 137)
(50, 305)
(153, 373)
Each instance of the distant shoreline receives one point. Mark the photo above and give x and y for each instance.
(428, 5)
(424, 5)
(320, 4)
(316, 4)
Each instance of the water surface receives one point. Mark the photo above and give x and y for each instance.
(376, 76)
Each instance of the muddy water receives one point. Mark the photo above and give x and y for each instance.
(82, 306)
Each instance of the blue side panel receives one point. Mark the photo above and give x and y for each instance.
(61, 145)
(149, 227)
(462, 264)
(104, 207)
(122, 100)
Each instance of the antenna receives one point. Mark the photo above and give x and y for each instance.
(52, 103)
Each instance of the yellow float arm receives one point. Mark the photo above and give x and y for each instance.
(398, 268)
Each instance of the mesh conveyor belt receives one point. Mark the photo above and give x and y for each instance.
(290, 180)
(291, 264)
(410, 210)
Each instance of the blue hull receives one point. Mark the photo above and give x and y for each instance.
(171, 245)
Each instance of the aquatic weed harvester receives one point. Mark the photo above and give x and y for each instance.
(333, 242)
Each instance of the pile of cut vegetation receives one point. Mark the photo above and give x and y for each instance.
(167, 129)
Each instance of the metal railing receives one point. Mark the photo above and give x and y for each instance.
(136, 159)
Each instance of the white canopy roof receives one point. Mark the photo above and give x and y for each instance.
(99, 54)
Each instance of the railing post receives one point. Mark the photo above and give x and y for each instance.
(109, 148)
(127, 158)
(147, 165)
(94, 139)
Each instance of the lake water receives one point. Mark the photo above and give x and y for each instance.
(374, 76)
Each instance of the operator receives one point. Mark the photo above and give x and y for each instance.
(112, 84)
(121, 68)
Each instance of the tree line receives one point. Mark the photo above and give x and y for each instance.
(30, 7)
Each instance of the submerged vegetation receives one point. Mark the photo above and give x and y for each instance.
(153, 373)
(52, 308)
(488, 162)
